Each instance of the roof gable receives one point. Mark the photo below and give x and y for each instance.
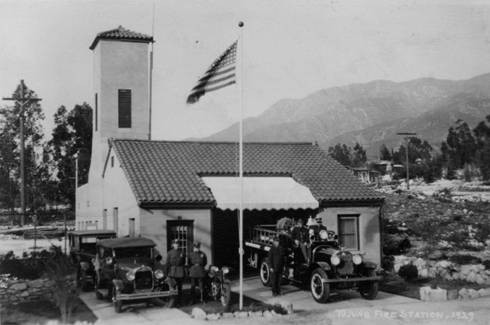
(168, 173)
(121, 34)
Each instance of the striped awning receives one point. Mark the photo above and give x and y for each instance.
(260, 193)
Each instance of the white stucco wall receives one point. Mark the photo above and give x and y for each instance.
(154, 226)
(369, 228)
(118, 194)
(116, 65)
(123, 65)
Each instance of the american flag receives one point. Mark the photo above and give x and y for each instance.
(221, 73)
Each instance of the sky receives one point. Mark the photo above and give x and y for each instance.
(291, 48)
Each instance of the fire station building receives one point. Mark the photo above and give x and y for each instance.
(190, 191)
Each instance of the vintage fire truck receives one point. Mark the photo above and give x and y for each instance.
(327, 266)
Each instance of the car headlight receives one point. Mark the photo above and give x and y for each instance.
(159, 274)
(323, 235)
(214, 269)
(130, 276)
(335, 260)
(357, 259)
(108, 260)
(225, 270)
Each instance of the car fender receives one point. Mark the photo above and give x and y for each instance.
(369, 265)
(324, 265)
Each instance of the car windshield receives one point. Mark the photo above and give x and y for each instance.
(137, 253)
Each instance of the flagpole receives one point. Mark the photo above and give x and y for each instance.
(240, 163)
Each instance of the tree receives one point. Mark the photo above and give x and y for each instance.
(460, 147)
(347, 156)
(359, 157)
(419, 151)
(341, 153)
(482, 136)
(71, 135)
(10, 146)
(384, 153)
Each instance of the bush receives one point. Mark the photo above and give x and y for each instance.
(61, 270)
(28, 267)
(464, 259)
(388, 262)
(408, 272)
(487, 264)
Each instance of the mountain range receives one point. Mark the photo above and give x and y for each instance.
(370, 113)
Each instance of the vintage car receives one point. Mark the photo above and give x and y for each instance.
(127, 271)
(82, 251)
(328, 267)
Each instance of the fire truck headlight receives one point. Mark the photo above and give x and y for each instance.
(335, 260)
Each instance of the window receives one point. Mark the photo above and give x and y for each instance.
(104, 219)
(132, 230)
(115, 219)
(349, 231)
(96, 117)
(183, 231)
(124, 104)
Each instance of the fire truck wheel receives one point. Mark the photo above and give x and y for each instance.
(320, 290)
(265, 273)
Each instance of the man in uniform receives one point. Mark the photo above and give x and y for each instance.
(276, 262)
(300, 237)
(197, 262)
(317, 227)
(175, 267)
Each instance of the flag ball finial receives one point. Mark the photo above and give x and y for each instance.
(240, 24)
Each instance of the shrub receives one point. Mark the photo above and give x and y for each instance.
(28, 267)
(464, 259)
(487, 264)
(388, 262)
(395, 244)
(61, 270)
(408, 272)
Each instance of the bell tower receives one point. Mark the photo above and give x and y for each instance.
(121, 84)
(122, 80)
(121, 105)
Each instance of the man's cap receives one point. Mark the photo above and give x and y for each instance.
(175, 241)
(197, 244)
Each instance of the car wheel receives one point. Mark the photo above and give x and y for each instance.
(265, 273)
(117, 303)
(225, 295)
(320, 290)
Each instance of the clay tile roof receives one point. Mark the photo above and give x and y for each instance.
(168, 173)
(121, 34)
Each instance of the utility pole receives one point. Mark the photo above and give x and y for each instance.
(407, 136)
(22, 101)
